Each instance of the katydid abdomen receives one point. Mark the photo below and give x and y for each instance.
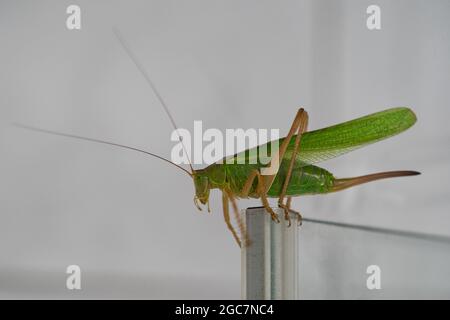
(305, 180)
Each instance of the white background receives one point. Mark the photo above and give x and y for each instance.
(128, 220)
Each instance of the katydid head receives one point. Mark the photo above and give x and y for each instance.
(202, 187)
(211, 177)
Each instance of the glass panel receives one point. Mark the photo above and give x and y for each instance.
(334, 259)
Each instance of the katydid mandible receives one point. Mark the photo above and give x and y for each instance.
(297, 155)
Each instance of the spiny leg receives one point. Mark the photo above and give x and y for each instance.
(303, 124)
(242, 230)
(268, 180)
(260, 190)
(296, 124)
(226, 216)
(265, 182)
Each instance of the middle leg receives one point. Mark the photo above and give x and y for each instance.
(260, 190)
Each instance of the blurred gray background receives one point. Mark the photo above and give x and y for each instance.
(128, 220)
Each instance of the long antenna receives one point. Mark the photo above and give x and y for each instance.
(99, 141)
(152, 86)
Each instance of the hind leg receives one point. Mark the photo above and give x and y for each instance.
(298, 125)
(303, 124)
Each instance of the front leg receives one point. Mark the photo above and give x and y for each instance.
(226, 216)
(242, 229)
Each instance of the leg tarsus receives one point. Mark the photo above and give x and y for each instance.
(299, 219)
(287, 212)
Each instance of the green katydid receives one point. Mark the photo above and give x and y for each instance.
(299, 151)
(297, 174)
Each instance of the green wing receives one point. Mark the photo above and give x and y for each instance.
(323, 144)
